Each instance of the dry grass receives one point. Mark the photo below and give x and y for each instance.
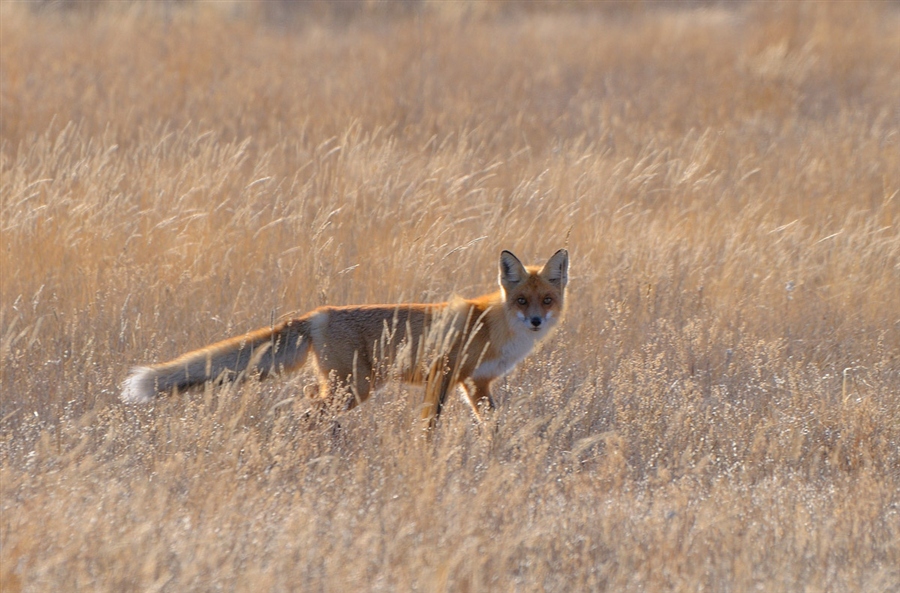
(720, 411)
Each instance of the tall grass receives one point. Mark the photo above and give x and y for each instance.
(719, 411)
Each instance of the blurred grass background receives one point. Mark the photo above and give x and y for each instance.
(720, 409)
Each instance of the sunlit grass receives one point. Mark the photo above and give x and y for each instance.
(720, 409)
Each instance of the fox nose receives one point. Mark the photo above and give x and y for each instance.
(536, 322)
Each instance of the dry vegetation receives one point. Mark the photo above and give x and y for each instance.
(720, 411)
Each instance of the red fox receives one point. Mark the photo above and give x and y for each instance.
(468, 343)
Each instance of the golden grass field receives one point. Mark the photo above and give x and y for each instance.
(720, 410)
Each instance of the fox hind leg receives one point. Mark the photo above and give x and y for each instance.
(359, 386)
(342, 393)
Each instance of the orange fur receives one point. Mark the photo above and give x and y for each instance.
(465, 342)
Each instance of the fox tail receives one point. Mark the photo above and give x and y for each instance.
(276, 349)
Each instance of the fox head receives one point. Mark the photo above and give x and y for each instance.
(534, 297)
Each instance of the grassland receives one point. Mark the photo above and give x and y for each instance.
(720, 411)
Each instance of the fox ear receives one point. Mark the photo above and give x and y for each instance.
(556, 271)
(511, 270)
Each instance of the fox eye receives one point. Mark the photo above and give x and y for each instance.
(522, 301)
(547, 300)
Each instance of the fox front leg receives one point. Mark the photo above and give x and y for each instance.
(478, 392)
(437, 385)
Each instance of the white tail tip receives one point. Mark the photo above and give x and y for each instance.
(139, 387)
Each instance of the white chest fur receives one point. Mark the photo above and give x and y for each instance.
(510, 355)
